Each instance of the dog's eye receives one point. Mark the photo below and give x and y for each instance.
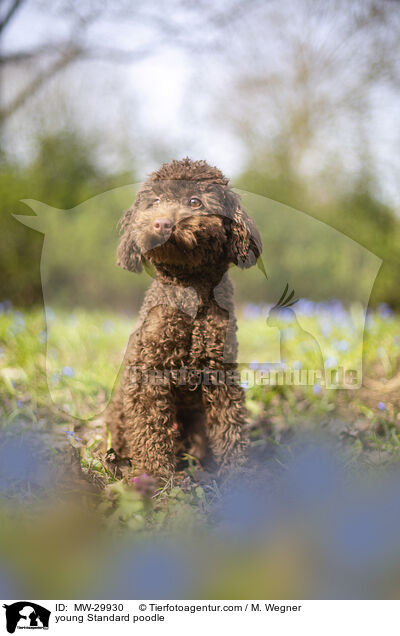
(195, 203)
(154, 202)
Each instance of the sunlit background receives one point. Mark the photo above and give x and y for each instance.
(296, 101)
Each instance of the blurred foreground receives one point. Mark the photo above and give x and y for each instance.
(316, 515)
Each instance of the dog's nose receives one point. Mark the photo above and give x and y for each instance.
(162, 226)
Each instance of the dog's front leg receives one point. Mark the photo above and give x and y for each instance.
(149, 435)
(149, 405)
(226, 424)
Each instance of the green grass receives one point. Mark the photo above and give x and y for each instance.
(48, 389)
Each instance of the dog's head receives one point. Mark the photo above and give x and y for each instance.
(185, 215)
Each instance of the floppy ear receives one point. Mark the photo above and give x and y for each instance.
(246, 242)
(128, 253)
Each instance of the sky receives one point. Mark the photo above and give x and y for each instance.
(169, 103)
(128, 102)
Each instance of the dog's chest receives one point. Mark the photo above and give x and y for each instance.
(186, 320)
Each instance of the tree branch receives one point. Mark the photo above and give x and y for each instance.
(36, 83)
(10, 13)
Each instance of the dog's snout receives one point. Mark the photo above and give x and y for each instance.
(162, 226)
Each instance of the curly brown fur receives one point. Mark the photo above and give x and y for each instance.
(187, 224)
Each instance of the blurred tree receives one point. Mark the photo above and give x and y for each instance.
(356, 212)
(303, 89)
(302, 86)
(64, 173)
(188, 26)
(307, 95)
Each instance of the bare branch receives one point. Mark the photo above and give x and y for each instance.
(15, 5)
(37, 82)
(34, 53)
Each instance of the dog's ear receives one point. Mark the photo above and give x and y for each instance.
(246, 242)
(128, 253)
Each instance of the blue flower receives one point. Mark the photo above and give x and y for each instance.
(341, 345)
(252, 311)
(50, 315)
(313, 474)
(382, 406)
(326, 328)
(246, 511)
(19, 318)
(5, 306)
(68, 371)
(385, 311)
(305, 307)
(55, 378)
(317, 390)
(22, 466)
(156, 569)
(108, 326)
(18, 325)
(20, 404)
(330, 362)
(73, 321)
(72, 434)
(369, 321)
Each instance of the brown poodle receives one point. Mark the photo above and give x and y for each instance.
(180, 388)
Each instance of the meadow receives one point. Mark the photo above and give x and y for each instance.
(47, 454)
(61, 377)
